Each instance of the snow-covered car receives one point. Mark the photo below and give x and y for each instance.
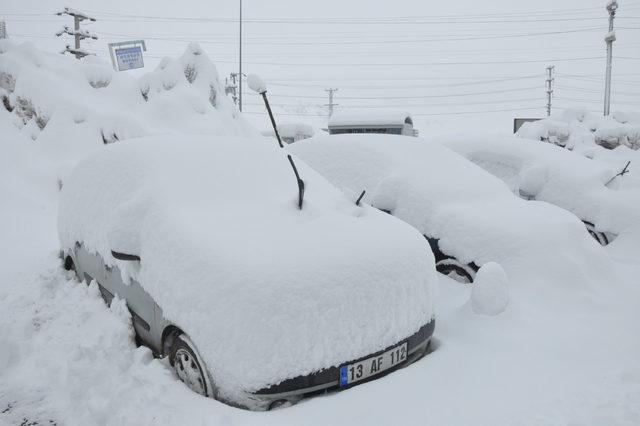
(468, 216)
(589, 188)
(258, 292)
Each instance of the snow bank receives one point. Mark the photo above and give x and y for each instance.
(549, 173)
(73, 107)
(573, 128)
(265, 290)
(474, 215)
(490, 290)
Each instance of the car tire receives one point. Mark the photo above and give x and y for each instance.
(600, 237)
(189, 367)
(456, 270)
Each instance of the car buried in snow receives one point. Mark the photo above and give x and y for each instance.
(468, 216)
(258, 292)
(597, 192)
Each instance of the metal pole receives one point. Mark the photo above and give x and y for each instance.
(549, 89)
(240, 63)
(330, 91)
(609, 39)
(273, 121)
(76, 27)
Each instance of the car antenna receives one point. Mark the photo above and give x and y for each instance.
(622, 173)
(360, 197)
(257, 85)
(300, 182)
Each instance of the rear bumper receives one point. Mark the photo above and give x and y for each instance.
(329, 379)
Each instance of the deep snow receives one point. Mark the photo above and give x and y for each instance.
(472, 213)
(265, 290)
(561, 354)
(588, 187)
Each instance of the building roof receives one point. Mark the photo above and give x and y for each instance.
(368, 118)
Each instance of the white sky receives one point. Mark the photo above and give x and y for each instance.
(432, 59)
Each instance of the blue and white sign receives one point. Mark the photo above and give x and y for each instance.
(129, 58)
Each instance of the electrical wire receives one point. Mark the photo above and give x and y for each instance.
(417, 114)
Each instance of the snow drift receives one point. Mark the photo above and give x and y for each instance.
(73, 107)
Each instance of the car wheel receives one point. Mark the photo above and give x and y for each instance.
(600, 237)
(190, 369)
(68, 264)
(456, 270)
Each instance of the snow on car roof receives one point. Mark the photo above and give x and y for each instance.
(368, 118)
(556, 175)
(443, 195)
(265, 290)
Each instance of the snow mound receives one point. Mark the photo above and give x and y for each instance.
(572, 128)
(73, 107)
(266, 291)
(490, 290)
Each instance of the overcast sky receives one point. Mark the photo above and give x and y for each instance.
(436, 60)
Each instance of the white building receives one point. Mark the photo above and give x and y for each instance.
(393, 123)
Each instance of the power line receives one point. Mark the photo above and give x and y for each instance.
(418, 114)
(400, 64)
(573, 10)
(382, 41)
(414, 86)
(490, 92)
(430, 104)
(534, 16)
(599, 101)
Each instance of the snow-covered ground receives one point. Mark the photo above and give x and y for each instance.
(563, 353)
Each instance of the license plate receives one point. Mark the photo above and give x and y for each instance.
(371, 366)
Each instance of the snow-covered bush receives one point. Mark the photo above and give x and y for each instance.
(72, 107)
(571, 128)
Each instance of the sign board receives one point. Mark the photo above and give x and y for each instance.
(518, 122)
(129, 58)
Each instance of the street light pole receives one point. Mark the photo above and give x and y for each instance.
(609, 39)
(240, 64)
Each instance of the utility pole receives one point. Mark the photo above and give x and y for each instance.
(76, 32)
(240, 63)
(612, 6)
(550, 69)
(3, 30)
(330, 91)
(232, 87)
